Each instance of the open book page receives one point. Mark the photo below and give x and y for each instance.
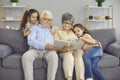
(60, 43)
(76, 45)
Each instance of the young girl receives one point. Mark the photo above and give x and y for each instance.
(93, 52)
(30, 18)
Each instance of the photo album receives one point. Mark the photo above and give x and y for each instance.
(76, 45)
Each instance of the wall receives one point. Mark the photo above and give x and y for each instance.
(75, 7)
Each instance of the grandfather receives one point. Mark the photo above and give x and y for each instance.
(41, 42)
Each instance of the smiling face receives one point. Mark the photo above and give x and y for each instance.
(78, 31)
(67, 25)
(33, 18)
(46, 19)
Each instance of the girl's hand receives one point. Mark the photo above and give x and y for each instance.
(82, 38)
(84, 48)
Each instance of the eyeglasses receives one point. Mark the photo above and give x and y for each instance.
(47, 19)
(66, 23)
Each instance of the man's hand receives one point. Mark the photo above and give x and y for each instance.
(50, 47)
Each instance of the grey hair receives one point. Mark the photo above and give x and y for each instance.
(45, 12)
(67, 17)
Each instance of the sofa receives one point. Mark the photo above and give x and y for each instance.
(13, 45)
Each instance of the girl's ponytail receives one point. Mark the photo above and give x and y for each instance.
(24, 20)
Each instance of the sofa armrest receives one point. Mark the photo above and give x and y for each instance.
(113, 49)
(5, 50)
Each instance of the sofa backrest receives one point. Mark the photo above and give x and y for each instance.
(105, 36)
(14, 39)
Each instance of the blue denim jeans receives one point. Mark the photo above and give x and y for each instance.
(91, 60)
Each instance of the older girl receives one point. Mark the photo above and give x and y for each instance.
(30, 18)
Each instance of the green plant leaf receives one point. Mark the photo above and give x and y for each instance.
(16, 1)
(100, 0)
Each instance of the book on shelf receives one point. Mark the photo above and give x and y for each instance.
(76, 45)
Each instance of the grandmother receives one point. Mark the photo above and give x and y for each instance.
(71, 58)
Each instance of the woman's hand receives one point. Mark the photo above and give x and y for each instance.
(53, 31)
(66, 49)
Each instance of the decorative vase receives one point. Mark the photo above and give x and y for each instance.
(90, 17)
(99, 4)
(13, 4)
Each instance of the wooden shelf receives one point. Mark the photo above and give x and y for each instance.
(87, 6)
(99, 11)
(9, 6)
(10, 14)
(11, 19)
(97, 20)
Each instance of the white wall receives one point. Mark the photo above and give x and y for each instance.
(75, 7)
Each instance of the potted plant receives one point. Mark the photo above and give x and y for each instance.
(100, 2)
(14, 2)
